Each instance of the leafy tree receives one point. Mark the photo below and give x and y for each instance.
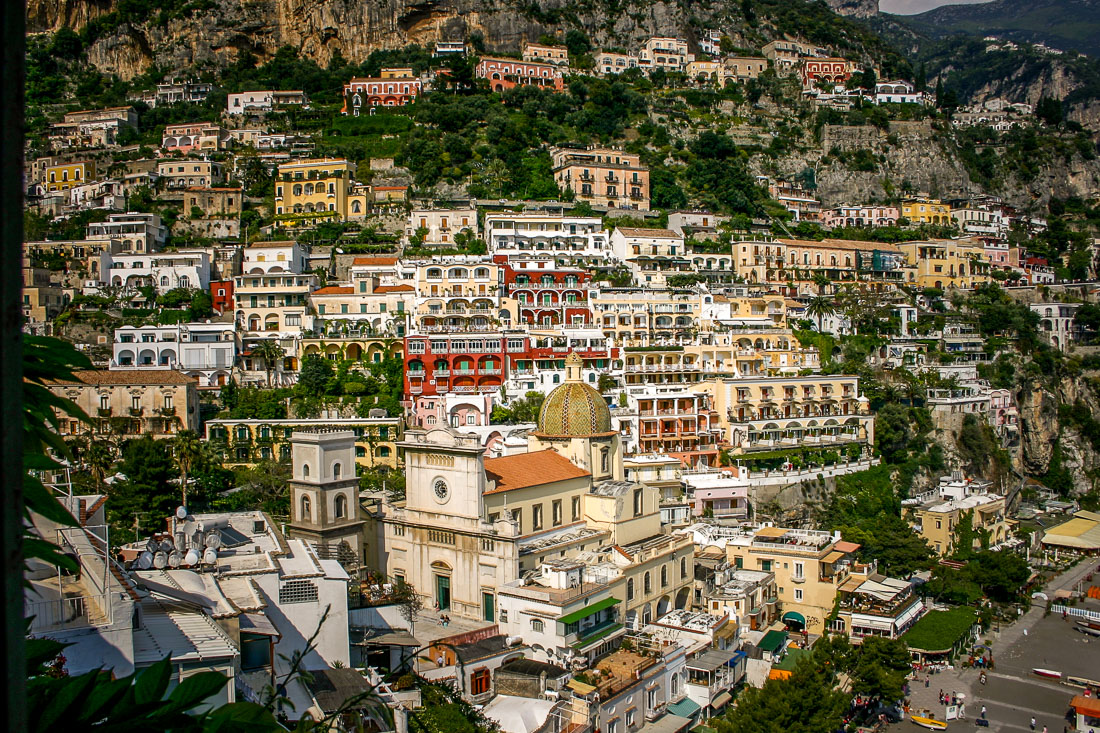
(146, 494)
(808, 702)
(228, 394)
(577, 42)
(880, 668)
(314, 378)
(819, 308)
(1049, 111)
(893, 431)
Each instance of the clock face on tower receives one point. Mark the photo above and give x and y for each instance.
(441, 491)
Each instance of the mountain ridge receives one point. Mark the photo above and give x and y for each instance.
(1066, 25)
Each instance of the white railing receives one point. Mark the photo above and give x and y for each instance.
(1074, 611)
(63, 613)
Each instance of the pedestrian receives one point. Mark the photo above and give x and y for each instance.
(983, 712)
(439, 663)
(1044, 729)
(1033, 722)
(941, 697)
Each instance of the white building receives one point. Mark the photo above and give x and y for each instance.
(897, 92)
(1057, 323)
(164, 271)
(205, 351)
(138, 232)
(263, 258)
(651, 254)
(980, 221)
(580, 238)
(669, 54)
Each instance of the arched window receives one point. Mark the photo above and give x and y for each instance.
(297, 190)
(336, 469)
(603, 459)
(305, 471)
(630, 589)
(383, 452)
(647, 583)
(164, 280)
(341, 507)
(306, 514)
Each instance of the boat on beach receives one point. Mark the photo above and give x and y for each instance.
(1049, 674)
(929, 723)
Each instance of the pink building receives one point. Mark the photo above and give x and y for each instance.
(835, 71)
(860, 216)
(508, 73)
(996, 252)
(388, 90)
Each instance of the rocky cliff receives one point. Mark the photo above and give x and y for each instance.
(318, 28)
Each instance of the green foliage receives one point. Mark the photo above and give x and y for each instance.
(146, 493)
(939, 630)
(998, 575)
(521, 410)
(139, 701)
(314, 377)
(808, 701)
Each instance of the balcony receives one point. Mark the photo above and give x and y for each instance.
(462, 372)
(440, 373)
(489, 370)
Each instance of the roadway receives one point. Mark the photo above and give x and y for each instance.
(1012, 694)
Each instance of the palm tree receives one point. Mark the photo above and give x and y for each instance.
(820, 307)
(270, 352)
(822, 281)
(187, 449)
(99, 459)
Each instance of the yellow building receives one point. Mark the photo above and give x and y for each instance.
(927, 211)
(245, 442)
(63, 176)
(157, 402)
(309, 191)
(947, 263)
(810, 566)
(937, 521)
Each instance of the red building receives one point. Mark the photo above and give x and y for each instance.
(221, 292)
(548, 295)
(835, 71)
(383, 91)
(480, 362)
(508, 73)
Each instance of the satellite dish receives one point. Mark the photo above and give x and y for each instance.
(209, 557)
(166, 546)
(174, 559)
(213, 539)
(191, 558)
(145, 560)
(181, 512)
(160, 560)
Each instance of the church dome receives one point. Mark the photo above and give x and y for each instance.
(574, 409)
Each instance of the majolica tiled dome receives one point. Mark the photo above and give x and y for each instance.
(574, 409)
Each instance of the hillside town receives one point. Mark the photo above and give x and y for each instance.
(561, 457)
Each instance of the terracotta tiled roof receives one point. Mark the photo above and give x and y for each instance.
(374, 261)
(845, 546)
(126, 376)
(530, 469)
(652, 233)
(842, 244)
(335, 290)
(394, 289)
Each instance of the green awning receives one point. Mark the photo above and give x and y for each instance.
(795, 616)
(685, 708)
(772, 641)
(587, 611)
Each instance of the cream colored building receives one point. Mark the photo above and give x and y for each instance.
(602, 176)
(540, 53)
(158, 402)
(770, 413)
(461, 293)
(798, 262)
(274, 303)
(438, 227)
(470, 525)
(364, 307)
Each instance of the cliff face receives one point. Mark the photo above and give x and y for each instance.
(356, 27)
